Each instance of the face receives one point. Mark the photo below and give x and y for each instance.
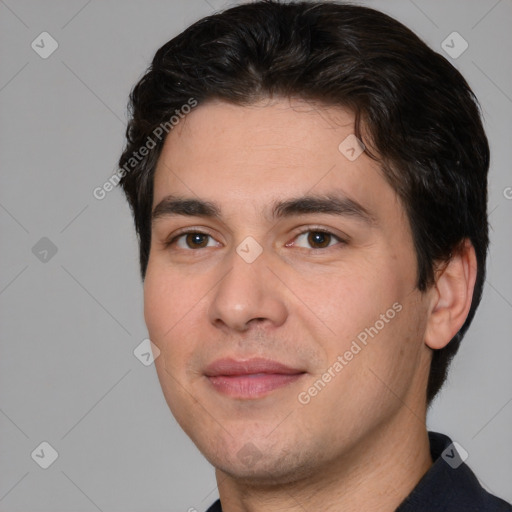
(280, 290)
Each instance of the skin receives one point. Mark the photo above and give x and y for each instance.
(361, 442)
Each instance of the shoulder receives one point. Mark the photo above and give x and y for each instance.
(450, 485)
(215, 507)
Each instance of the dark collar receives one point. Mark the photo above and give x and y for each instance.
(448, 486)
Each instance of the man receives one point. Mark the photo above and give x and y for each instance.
(308, 182)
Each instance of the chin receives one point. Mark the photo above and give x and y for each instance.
(266, 466)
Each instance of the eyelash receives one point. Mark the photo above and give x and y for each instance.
(172, 241)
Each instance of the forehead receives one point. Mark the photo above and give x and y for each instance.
(247, 156)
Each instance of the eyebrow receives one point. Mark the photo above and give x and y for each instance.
(331, 204)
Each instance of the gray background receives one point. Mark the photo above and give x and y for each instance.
(70, 323)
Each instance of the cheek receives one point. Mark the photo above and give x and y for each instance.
(167, 321)
(171, 312)
(394, 356)
(357, 296)
(163, 307)
(157, 303)
(165, 300)
(374, 312)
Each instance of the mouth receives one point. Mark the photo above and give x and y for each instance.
(250, 379)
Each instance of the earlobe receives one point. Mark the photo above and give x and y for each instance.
(452, 294)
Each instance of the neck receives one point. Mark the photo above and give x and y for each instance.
(377, 475)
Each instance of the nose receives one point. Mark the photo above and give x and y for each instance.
(248, 294)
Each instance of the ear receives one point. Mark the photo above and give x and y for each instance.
(452, 294)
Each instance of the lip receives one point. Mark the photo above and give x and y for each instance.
(250, 379)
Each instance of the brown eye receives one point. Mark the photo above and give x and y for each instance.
(316, 239)
(319, 239)
(191, 240)
(196, 240)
